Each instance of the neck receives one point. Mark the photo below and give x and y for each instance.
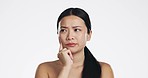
(78, 59)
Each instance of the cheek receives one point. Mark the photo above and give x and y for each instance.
(83, 38)
(62, 38)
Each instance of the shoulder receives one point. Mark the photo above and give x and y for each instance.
(47, 65)
(107, 71)
(45, 68)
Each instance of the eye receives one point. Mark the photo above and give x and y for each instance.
(63, 30)
(76, 30)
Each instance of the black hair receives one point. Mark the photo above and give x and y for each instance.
(77, 12)
(92, 68)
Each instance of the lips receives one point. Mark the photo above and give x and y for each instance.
(70, 44)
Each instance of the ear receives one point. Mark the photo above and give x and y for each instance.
(89, 36)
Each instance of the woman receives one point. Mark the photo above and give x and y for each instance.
(75, 59)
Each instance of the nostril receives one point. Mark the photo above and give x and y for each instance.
(70, 38)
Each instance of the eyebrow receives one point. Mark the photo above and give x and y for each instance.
(72, 26)
(63, 27)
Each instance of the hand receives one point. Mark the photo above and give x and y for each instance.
(65, 56)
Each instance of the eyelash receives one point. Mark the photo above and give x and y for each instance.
(64, 30)
(77, 29)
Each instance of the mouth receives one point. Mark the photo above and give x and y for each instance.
(71, 44)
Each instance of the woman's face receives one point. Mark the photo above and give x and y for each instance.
(73, 33)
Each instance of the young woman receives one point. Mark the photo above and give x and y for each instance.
(75, 59)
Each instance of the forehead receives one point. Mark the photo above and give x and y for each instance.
(72, 21)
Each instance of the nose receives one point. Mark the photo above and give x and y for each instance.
(70, 35)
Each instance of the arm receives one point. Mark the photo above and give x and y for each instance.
(106, 71)
(41, 72)
(65, 57)
(64, 72)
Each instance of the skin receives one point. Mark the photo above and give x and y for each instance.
(71, 58)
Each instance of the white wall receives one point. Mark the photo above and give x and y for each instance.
(28, 35)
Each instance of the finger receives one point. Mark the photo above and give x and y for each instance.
(58, 55)
(61, 47)
(70, 54)
(62, 51)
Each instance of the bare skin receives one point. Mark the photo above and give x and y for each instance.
(52, 70)
(72, 38)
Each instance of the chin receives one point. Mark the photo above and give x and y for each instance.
(73, 50)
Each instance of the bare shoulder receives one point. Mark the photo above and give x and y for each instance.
(45, 68)
(47, 65)
(107, 71)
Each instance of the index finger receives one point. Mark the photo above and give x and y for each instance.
(61, 47)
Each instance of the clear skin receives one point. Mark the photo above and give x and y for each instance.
(71, 56)
(73, 30)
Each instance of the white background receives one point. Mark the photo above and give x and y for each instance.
(28, 35)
